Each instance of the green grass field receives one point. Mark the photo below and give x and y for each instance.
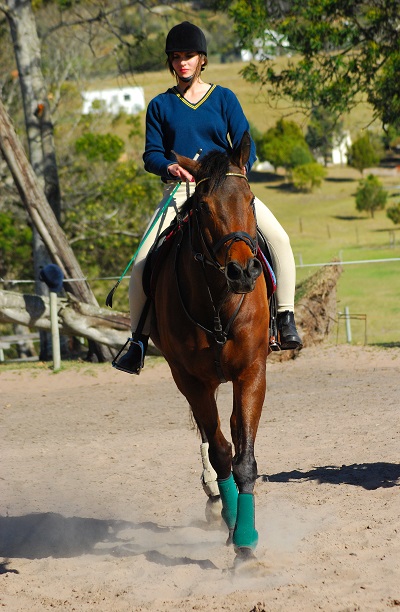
(325, 224)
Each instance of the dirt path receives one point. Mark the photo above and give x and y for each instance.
(101, 506)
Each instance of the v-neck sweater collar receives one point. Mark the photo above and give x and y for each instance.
(200, 102)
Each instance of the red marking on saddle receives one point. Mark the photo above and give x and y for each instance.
(269, 274)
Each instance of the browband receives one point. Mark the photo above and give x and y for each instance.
(227, 174)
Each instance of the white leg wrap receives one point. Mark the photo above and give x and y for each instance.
(209, 475)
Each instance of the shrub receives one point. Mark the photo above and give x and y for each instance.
(370, 195)
(300, 156)
(394, 213)
(107, 147)
(365, 152)
(308, 176)
(283, 145)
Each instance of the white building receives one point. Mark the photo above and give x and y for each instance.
(340, 148)
(265, 48)
(127, 99)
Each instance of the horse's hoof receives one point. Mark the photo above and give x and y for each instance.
(245, 561)
(244, 554)
(246, 564)
(213, 510)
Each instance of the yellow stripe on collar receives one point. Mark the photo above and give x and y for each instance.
(199, 103)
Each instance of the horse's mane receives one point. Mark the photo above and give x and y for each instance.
(214, 166)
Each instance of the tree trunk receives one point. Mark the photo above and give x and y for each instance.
(44, 219)
(39, 128)
(110, 328)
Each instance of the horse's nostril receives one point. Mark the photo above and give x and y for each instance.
(254, 268)
(233, 271)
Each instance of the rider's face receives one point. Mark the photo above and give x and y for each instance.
(185, 63)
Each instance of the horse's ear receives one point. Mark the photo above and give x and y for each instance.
(240, 156)
(190, 165)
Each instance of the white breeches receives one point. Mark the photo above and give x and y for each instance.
(277, 238)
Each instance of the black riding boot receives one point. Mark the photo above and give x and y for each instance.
(288, 335)
(133, 360)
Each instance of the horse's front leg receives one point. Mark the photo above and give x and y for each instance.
(249, 393)
(216, 451)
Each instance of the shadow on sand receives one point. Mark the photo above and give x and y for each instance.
(367, 475)
(48, 534)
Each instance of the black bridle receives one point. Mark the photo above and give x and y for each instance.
(209, 257)
(231, 237)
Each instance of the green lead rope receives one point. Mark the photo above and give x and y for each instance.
(109, 298)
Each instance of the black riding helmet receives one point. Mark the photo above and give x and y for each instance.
(186, 37)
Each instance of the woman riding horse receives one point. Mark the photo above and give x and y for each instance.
(193, 116)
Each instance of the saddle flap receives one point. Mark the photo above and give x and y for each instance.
(157, 255)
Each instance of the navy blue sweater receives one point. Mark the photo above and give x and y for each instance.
(174, 124)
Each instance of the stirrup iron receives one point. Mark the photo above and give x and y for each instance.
(140, 364)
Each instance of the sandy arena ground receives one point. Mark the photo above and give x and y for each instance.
(101, 506)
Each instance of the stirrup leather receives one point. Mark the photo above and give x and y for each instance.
(274, 344)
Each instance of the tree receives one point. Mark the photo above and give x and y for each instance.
(308, 176)
(75, 318)
(370, 195)
(342, 49)
(38, 124)
(15, 245)
(323, 132)
(364, 153)
(43, 217)
(283, 145)
(109, 200)
(39, 129)
(300, 155)
(393, 213)
(391, 136)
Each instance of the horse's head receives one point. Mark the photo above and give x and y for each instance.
(223, 206)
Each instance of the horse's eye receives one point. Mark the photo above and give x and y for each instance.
(204, 207)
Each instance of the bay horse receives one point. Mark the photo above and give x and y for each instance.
(213, 326)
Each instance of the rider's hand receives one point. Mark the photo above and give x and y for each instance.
(179, 172)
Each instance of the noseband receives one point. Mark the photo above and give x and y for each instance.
(231, 237)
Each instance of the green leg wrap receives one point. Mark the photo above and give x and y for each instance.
(245, 534)
(229, 497)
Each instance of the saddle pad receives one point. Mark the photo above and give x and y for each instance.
(156, 256)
